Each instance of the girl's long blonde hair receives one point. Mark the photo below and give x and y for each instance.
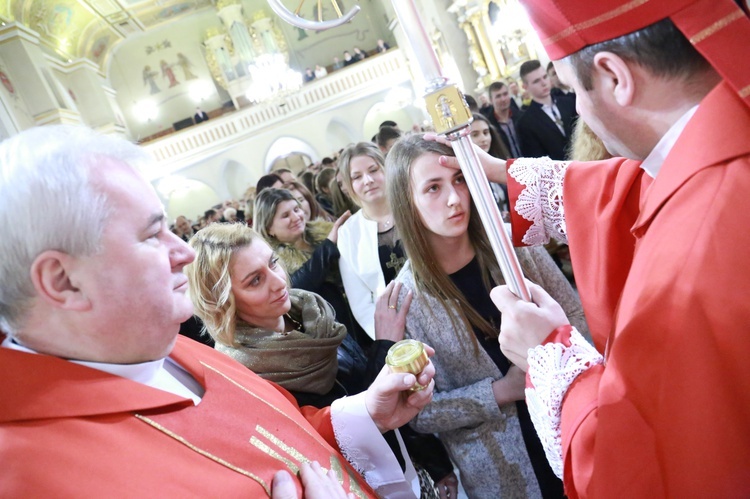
(360, 149)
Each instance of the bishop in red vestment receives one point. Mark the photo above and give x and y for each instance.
(659, 245)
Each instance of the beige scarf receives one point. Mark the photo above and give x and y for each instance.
(305, 360)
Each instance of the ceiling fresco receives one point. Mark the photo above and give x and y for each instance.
(89, 29)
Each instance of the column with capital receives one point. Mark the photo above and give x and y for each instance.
(479, 21)
(41, 99)
(94, 97)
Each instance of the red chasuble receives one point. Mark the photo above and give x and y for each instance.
(71, 431)
(663, 268)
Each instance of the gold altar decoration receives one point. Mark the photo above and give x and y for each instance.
(498, 34)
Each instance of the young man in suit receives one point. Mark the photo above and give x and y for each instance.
(547, 125)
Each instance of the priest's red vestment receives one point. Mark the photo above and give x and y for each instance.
(71, 431)
(663, 268)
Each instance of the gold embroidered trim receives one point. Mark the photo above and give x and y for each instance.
(204, 453)
(717, 26)
(336, 467)
(596, 20)
(353, 480)
(317, 437)
(354, 487)
(265, 448)
(282, 445)
(745, 92)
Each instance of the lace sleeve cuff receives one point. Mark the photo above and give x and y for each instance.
(536, 187)
(552, 368)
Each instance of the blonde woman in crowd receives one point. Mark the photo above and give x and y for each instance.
(478, 408)
(369, 243)
(288, 336)
(586, 145)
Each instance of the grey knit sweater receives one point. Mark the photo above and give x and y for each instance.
(484, 440)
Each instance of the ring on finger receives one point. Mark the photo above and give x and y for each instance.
(392, 307)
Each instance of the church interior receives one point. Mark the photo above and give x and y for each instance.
(145, 70)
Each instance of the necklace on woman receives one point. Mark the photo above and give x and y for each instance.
(383, 225)
(296, 325)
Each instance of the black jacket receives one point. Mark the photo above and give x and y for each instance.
(514, 117)
(540, 135)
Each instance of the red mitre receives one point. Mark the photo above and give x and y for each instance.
(718, 29)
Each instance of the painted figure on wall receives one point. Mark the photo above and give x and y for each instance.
(166, 72)
(148, 79)
(185, 64)
(7, 83)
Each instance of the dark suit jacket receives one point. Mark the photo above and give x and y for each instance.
(539, 134)
(514, 117)
(200, 117)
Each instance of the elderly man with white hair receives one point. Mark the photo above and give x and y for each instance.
(100, 395)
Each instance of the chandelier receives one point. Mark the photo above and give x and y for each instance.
(249, 59)
(271, 78)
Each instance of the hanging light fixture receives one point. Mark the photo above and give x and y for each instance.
(271, 78)
(146, 110)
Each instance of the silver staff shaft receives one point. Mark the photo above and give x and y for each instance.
(451, 117)
(493, 224)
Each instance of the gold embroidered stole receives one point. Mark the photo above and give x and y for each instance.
(271, 436)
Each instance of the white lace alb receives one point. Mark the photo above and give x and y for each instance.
(540, 201)
(552, 368)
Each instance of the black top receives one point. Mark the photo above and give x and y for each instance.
(391, 255)
(468, 280)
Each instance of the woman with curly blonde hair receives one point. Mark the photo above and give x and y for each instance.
(285, 335)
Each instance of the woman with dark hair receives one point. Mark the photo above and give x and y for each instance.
(484, 135)
(478, 408)
(311, 208)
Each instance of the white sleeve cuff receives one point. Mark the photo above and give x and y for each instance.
(364, 447)
(552, 368)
